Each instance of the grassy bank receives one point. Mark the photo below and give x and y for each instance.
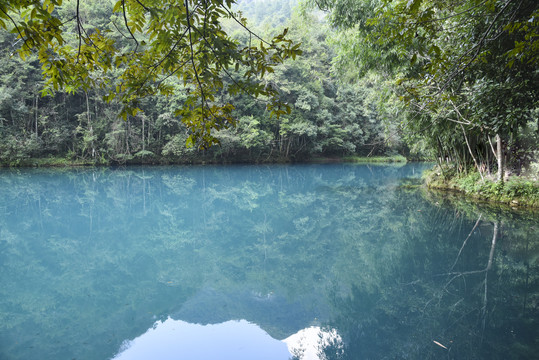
(360, 159)
(375, 159)
(515, 191)
(52, 162)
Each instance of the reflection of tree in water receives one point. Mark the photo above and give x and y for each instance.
(472, 293)
(294, 237)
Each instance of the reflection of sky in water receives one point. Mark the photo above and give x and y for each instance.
(176, 339)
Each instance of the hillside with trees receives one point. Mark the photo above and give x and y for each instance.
(263, 81)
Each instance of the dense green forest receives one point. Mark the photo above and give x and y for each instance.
(467, 73)
(424, 79)
(327, 117)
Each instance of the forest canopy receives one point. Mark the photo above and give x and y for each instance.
(424, 79)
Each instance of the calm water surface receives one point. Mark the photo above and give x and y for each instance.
(260, 262)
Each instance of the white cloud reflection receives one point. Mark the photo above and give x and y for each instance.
(237, 340)
(309, 343)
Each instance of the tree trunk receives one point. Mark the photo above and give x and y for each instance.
(499, 155)
(471, 153)
(143, 144)
(148, 133)
(89, 117)
(127, 123)
(37, 113)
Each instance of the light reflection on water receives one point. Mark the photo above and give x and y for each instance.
(234, 340)
(175, 339)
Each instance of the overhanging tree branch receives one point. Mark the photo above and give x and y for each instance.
(16, 27)
(127, 25)
(193, 58)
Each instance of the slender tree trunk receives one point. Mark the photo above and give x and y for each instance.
(487, 161)
(127, 123)
(95, 105)
(471, 153)
(66, 113)
(499, 155)
(148, 133)
(37, 112)
(288, 147)
(90, 128)
(143, 144)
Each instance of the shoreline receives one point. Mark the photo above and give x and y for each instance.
(515, 192)
(63, 162)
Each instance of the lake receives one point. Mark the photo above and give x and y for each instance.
(329, 261)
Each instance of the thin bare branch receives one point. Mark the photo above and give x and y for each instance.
(79, 30)
(174, 71)
(465, 241)
(223, 67)
(492, 147)
(143, 6)
(471, 153)
(193, 57)
(451, 16)
(477, 47)
(487, 268)
(245, 27)
(127, 26)
(120, 31)
(16, 27)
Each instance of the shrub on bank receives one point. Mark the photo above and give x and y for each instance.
(516, 190)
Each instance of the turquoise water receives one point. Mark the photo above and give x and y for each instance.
(260, 262)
